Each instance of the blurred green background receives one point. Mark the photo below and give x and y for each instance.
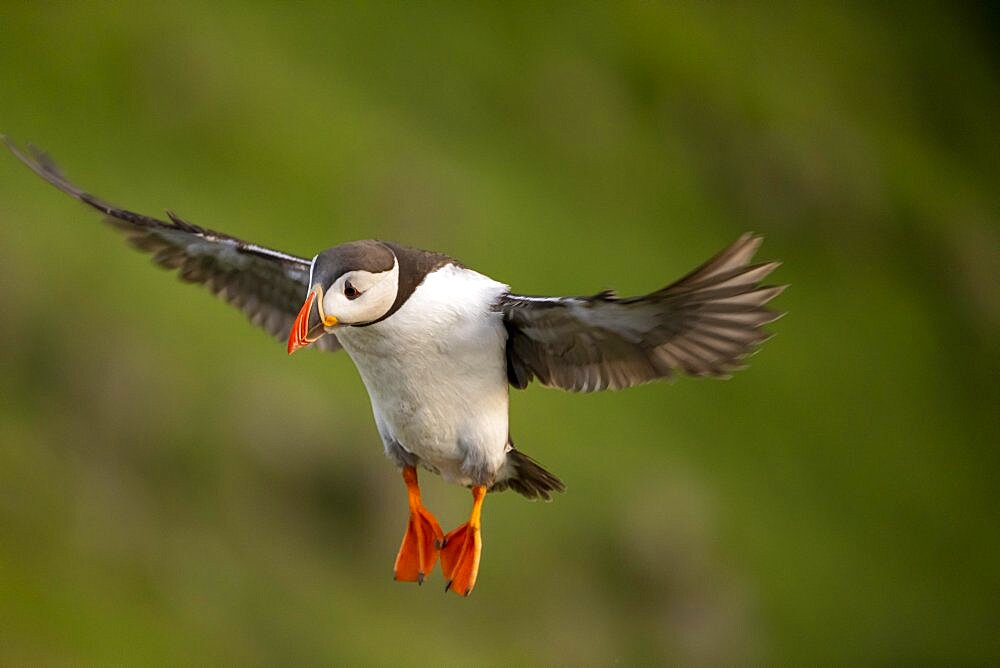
(174, 488)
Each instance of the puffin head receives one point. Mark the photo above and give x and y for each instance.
(350, 285)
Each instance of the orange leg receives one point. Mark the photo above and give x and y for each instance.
(460, 554)
(419, 550)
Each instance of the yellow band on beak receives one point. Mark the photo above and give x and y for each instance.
(328, 320)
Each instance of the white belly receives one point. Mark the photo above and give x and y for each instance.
(436, 374)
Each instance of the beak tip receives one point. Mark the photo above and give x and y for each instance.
(295, 341)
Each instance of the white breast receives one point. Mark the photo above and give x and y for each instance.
(436, 373)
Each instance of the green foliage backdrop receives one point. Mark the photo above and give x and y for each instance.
(174, 488)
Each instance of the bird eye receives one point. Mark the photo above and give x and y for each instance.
(350, 291)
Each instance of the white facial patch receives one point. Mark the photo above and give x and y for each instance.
(378, 293)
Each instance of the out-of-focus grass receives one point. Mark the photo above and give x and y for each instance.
(174, 488)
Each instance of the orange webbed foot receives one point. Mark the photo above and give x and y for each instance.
(423, 538)
(460, 559)
(462, 548)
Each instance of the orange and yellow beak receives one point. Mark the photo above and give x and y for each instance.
(308, 328)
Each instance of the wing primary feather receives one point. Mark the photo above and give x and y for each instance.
(266, 284)
(704, 324)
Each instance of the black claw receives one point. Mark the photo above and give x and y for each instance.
(467, 591)
(448, 586)
(420, 578)
(438, 544)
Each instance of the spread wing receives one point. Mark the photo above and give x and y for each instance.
(267, 285)
(705, 324)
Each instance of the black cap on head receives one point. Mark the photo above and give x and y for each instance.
(368, 255)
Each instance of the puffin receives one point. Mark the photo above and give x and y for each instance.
(438, 346)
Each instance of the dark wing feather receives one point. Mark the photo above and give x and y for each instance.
(267, 285)
(705, 324)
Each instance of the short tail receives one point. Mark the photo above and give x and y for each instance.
(527, 477)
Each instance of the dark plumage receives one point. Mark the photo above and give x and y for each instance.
(528, 478)
(266, 285)
(704, 324)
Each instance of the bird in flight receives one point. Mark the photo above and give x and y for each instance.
(438, 345)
